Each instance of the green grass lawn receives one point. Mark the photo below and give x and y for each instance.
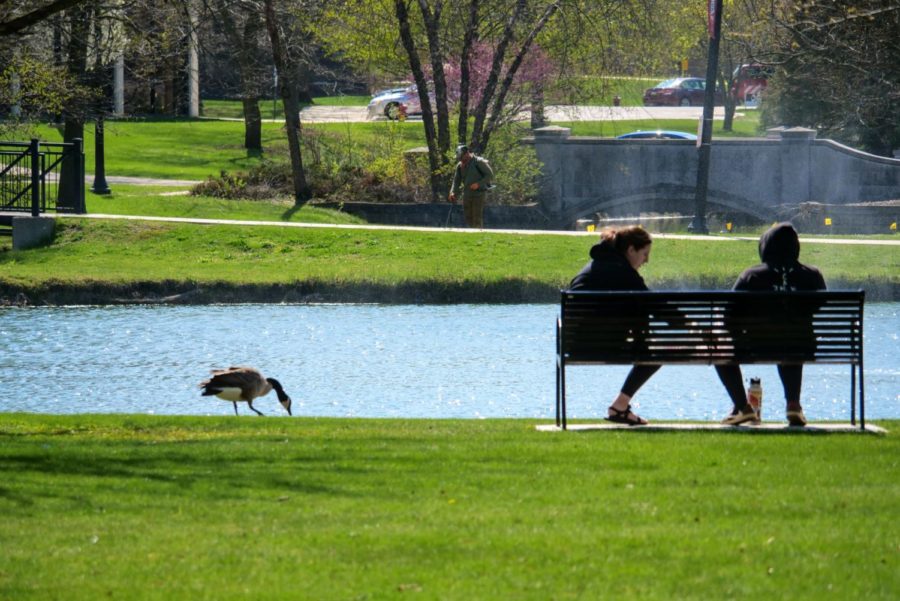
(271, 108)
(155, 507)
(168, 201)
(196, 149)
(745, 125)
(92, 251)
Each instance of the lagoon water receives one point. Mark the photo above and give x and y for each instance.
(446, 361)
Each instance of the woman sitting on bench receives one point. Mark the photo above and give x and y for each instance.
(614, 265)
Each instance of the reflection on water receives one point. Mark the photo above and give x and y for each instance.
(465, 361)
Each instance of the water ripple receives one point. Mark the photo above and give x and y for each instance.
(468, 361)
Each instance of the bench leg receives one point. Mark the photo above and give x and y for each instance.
(562, 392)
(852, 395)
(862, 398)
(557, 393)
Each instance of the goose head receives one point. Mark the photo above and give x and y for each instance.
(283, 398)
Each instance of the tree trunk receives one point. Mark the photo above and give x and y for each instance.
(432, 20)
(419, 76)
(538, 119)
(252, 125)
(729, 101)
(462, 129)
(481, 108)
(70, 180)
(245, 42)
(503, 90)
(728, 121)
(302, 192)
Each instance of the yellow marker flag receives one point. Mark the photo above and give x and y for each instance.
(894, 227)
(828, 221)
(591, 227)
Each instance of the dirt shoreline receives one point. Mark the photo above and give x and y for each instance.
(194, 293)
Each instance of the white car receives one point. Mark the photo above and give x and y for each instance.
(387, 103)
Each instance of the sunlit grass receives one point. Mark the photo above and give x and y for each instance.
(169, 201)
(144, 507)
(92, 251)
(746, 124)
(273, 108)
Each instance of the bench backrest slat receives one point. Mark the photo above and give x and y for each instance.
(715, 327)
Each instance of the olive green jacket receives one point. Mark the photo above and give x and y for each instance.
(478, 171)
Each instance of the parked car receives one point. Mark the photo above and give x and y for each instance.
(391, 103)
(750, 82)
(657, 135)
(681, 91)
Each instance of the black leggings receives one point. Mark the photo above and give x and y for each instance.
(791, 380)
(636, 378)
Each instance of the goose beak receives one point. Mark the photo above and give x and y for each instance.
(286, 403)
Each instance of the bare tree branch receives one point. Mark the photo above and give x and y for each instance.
(35, 15)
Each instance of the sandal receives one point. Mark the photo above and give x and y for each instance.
(625, 416)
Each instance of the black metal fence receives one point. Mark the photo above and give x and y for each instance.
(37, 177)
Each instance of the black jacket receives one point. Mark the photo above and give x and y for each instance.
(779, 250)
(608, 270)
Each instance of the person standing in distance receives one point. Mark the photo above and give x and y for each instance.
(472, 178)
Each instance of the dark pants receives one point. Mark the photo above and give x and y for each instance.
(473, 210)
(638, 375)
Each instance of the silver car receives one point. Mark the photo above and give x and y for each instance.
(388, 103)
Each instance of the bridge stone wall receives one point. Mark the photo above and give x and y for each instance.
(759, 177)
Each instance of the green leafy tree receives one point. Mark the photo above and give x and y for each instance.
(838, 70)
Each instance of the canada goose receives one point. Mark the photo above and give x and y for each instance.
(243, 384)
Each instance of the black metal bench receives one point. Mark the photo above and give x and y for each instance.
(6, 225)
(710, 328)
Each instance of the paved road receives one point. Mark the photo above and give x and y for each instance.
(343, 114)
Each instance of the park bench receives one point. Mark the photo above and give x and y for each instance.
(710, 328)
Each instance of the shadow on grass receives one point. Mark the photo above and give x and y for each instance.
(289, 214)
(209, 472)
(243, 468)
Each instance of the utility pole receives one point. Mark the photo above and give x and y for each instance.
(714, 25)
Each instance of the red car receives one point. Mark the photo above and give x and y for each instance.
(750, 82)
(681, 91)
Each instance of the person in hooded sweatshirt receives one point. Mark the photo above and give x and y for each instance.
(781, 269)
(614, 265)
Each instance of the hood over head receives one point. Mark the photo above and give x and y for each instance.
(780, 245)
(604, 247)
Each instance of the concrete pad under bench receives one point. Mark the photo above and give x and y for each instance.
(820, 428)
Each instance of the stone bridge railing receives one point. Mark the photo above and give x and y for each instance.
(756, 177)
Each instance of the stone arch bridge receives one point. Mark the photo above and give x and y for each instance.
(758, 178)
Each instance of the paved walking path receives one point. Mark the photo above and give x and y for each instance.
(144, 181)
(356, 114)
(723, 238)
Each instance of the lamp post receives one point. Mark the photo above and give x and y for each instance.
(99, 186)
(714, 24)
